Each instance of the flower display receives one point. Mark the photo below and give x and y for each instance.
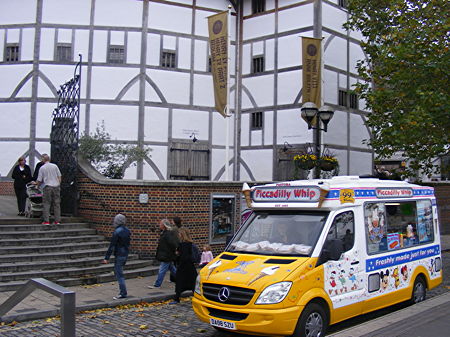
(305, 161)
(328, 163)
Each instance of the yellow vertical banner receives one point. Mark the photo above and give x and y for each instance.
(218, 42)
(312, 70)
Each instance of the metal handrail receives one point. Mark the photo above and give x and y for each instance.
(67, 297)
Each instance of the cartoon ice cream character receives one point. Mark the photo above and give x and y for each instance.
(213, 267)
(246, 190)
(265, 272)
(324, 189)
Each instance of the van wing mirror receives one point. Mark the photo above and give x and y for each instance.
(333, 249)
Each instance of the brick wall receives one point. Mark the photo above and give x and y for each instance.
(6, 187)
(442, 193)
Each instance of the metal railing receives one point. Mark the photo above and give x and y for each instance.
(67, 297)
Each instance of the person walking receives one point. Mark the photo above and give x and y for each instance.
(166, 252)
(119, 245)
(207, 256)
(22, 176)
(50, 176)
(186, 271)
(37, 168)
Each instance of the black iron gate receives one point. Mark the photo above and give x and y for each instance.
(64, 139)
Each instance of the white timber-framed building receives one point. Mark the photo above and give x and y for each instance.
(145, 74)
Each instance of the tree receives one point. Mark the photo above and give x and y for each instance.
(405, 77)
(108, 158)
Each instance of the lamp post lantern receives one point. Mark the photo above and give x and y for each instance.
(316, 118)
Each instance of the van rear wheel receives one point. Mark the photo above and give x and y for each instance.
(419, 290)
(313, 322)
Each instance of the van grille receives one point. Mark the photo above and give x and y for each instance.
(237, 295)
(229, 315)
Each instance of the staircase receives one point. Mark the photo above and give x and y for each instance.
(68, 255)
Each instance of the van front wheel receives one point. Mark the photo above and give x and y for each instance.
(419, 290)
(313, 322)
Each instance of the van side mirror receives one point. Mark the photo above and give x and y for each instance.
(332, 250)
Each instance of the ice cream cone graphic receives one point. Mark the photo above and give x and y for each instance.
(324, 189)
(213, 267)
(246, 191)
(265, 272)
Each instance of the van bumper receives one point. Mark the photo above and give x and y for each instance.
(260, 320)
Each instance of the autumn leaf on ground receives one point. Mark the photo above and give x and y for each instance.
(143, 327)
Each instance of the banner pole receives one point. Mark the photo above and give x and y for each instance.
(227, 129)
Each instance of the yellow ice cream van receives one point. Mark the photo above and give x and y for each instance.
(316, 252)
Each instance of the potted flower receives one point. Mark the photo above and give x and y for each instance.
(328, 163)
(305, 161)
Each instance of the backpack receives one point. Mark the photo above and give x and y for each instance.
(196, 256)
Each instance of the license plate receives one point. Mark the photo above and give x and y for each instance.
(222, 324)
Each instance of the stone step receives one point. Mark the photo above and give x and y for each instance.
(41, 227)
(48, 234)
(52, 256)
(52, 248)
(24, 220)
(16, 267)
(71, 272)
(50, 241)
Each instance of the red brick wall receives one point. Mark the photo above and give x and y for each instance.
(6, 187)
(442, 192)
(99, 202)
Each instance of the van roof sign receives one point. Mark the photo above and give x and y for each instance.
(286, 194)
(394, 192)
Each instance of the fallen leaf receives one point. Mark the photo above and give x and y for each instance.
(143, 327)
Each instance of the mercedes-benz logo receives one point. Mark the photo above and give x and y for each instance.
(223, 295)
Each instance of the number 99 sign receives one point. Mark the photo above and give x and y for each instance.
(347, 196)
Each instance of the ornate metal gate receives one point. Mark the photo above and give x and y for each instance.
(64, 139)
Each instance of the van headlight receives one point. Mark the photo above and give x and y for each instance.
(274, 293)
(197, 285)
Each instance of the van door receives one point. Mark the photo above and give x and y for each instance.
(344, 274)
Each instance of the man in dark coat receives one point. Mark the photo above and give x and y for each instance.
(120, 244)
(166, 252)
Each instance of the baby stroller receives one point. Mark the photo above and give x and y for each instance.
(34, 205)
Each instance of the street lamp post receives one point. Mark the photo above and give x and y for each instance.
(315, 118)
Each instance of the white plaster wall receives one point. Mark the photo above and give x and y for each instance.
(246, 58)
(341, 156)
(42, 147)
(44, 119)
(337, 129)
(26, 90)
(158, 155)
(11, 151)
(330, 87)
(292, 128)
(13, 36)
(15, 120)
(289, 51)
(169, 42)
(270, 55)
(358, 131)
(117, 37)
(334, 17)
(260, 163)
(219, 129)
(256, 137)
(268, 127)
(100, 46)
(259, 26)
(203, 90)
(46, 51)
(185, 122)
(107, 82)
(156, 127)
(134, 48)
(153, 49)
(66, 11)
(172, 84)
(356, 54)
(121, 122)
(132, 94)
(58, 75)
(201, 55)
(360, 163)
(201, 22)
(184, 53)
(2, 42)
(18, 11)
(120, 13)
(261, 88)
(289, 86)
(64, 35)
(14, 73)
(245, 129)
(296, 17)
(180, 17)
(81, 45)
(216, 4)
(336, 54)
(27, 47)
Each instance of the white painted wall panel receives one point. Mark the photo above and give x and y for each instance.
(201, 54)
(44, 119)
(66, 11)
(117, 38)
(100, 46)
(219, 129)
(216, 4)
(58, 74)
(246, 59)
(153, 49)
(203, 90)
(356, 54)
(268, 127)
(11, 151)
(289, 51)
(15, 120)
(134, 48)
(13, 36)
(259, 26)
(107, 82)
(184, 123)
(201, 22)
(2, 41)
(358, 131)
(296, 17)
(26, 90)
(118, 13)
(81, 44)
(336, 54)
(337, 129)
(256, 137)
(258, 48)
(14, 73)
(341, 156)
(158, 155)
(180, 17)
(184, 53)
(289, 85)
(172, 84)
(27, 47)
(121, 122)
(330, 88)
(360, 163)
(335, 18)
(270, 55)
(262, 97)
(10, 15)
(260, 163)
(46, 51)
(292, 128)
(169, 42)
(64, 35)
(156, 124)
(245, 129)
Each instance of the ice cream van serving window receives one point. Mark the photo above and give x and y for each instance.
(283, 233)
(398, 225)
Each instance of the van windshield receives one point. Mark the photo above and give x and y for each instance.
(279, 233)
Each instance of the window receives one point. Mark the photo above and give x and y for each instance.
(209, 64)
(352, 99)
(343, 229)
(396, 225)
(342, 100)
(64, 53)
(257, 64)
(342, 3)
(257, 120)
(258, 6)
(116, 54)
(168, 59)
(189, 161)
(12, 53)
